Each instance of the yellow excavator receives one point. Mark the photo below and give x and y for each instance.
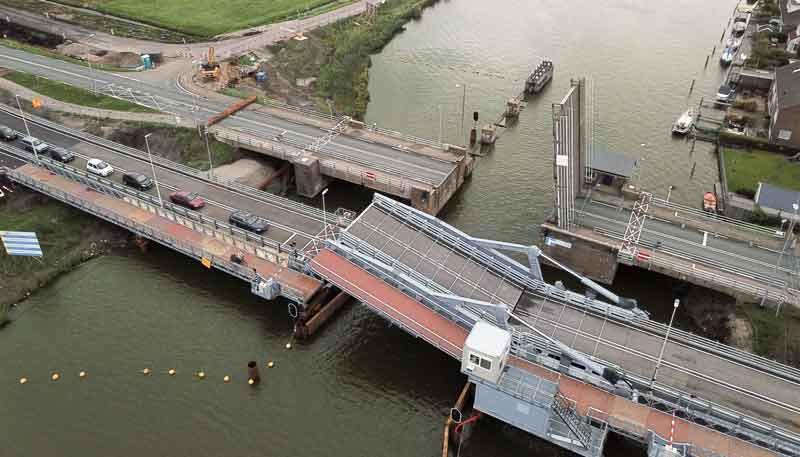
(210, 69)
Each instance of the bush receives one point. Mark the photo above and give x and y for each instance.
(750, 105)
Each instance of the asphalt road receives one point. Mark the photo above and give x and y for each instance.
(389, 159)
(220, 201)
(709, 249)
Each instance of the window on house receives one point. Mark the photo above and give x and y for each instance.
(480, 361)
(474, 359)
(784, 134)
(486, 364)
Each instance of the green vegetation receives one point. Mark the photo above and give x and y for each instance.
(775, 337)
(178, 144)
(206, 18)
(67, 235)
(100, 22)
(339, 55)
(769, 50)
(744, 169)
(72, 94)
(767, 8)
(54, 55)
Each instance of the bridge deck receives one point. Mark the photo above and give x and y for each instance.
(688, 369)
(432, 258)
(307, 286)
(449, 337)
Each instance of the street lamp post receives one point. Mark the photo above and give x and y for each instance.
(153, 167)
(208, 149)
(463, 103)
(675, 305)
(25, 121)
(324, 215)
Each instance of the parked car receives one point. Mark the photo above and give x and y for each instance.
(98, 167)
(188, 199)
(35, 145)
(7, 133)
(137, 180)
(61, 154)
(249, 221)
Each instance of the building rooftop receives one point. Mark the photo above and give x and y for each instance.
(787, 85)
(613, 163)
(777, 198)
(488, 339)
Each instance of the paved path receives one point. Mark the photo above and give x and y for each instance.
(268, 34)
(57, 105)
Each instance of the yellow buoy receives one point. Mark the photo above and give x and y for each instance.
(171, 372)
(23, 380)
(82, 375)
(270, 364)
(55, 376)
(201, 374)
(288, 345)
(226, 378)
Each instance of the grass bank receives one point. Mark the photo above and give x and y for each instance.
(71, 94)
(72, 12)
(744, 169)
(339, 57)
(206, 18)
(68, 237)
(178, 144)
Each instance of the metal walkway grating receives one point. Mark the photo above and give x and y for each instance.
(454, 271)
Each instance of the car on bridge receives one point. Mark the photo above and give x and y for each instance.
(98, 167)
(248, 221)
(35, 145)
(7, 133)
(187, 199)
(61, 154)
(137, 180)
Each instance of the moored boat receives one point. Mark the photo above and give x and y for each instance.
(684, 123)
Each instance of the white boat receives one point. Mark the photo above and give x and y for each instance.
(727, 56)
(739, 25)
(684, 122)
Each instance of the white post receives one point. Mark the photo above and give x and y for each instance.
(440, 124)
(664, 344)
(210, 162)
(463, 103)
(24, 121)
(669, 192)
(324, 214)
(91, 72)
(153, 167)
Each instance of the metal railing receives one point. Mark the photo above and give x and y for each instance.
(264, 197)
(714, 218)
(565, 409)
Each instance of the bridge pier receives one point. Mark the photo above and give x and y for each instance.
(588, 257)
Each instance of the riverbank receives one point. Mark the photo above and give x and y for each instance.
(333, 62)
(68, 238)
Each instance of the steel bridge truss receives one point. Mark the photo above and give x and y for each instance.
(465, 311)
(633, 231)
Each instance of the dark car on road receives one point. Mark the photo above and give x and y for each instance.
(7, 134)
(61, 154)
(249, 221)
(188, 199)
(137, 180)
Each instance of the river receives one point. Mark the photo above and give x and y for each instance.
(360, 387)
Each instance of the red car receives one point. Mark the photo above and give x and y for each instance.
(188, 199)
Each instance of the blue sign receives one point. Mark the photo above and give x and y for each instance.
(21, 244)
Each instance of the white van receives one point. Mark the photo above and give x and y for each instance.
(35, 145)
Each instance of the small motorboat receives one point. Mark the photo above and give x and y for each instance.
(684, 122)
(727, 56)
